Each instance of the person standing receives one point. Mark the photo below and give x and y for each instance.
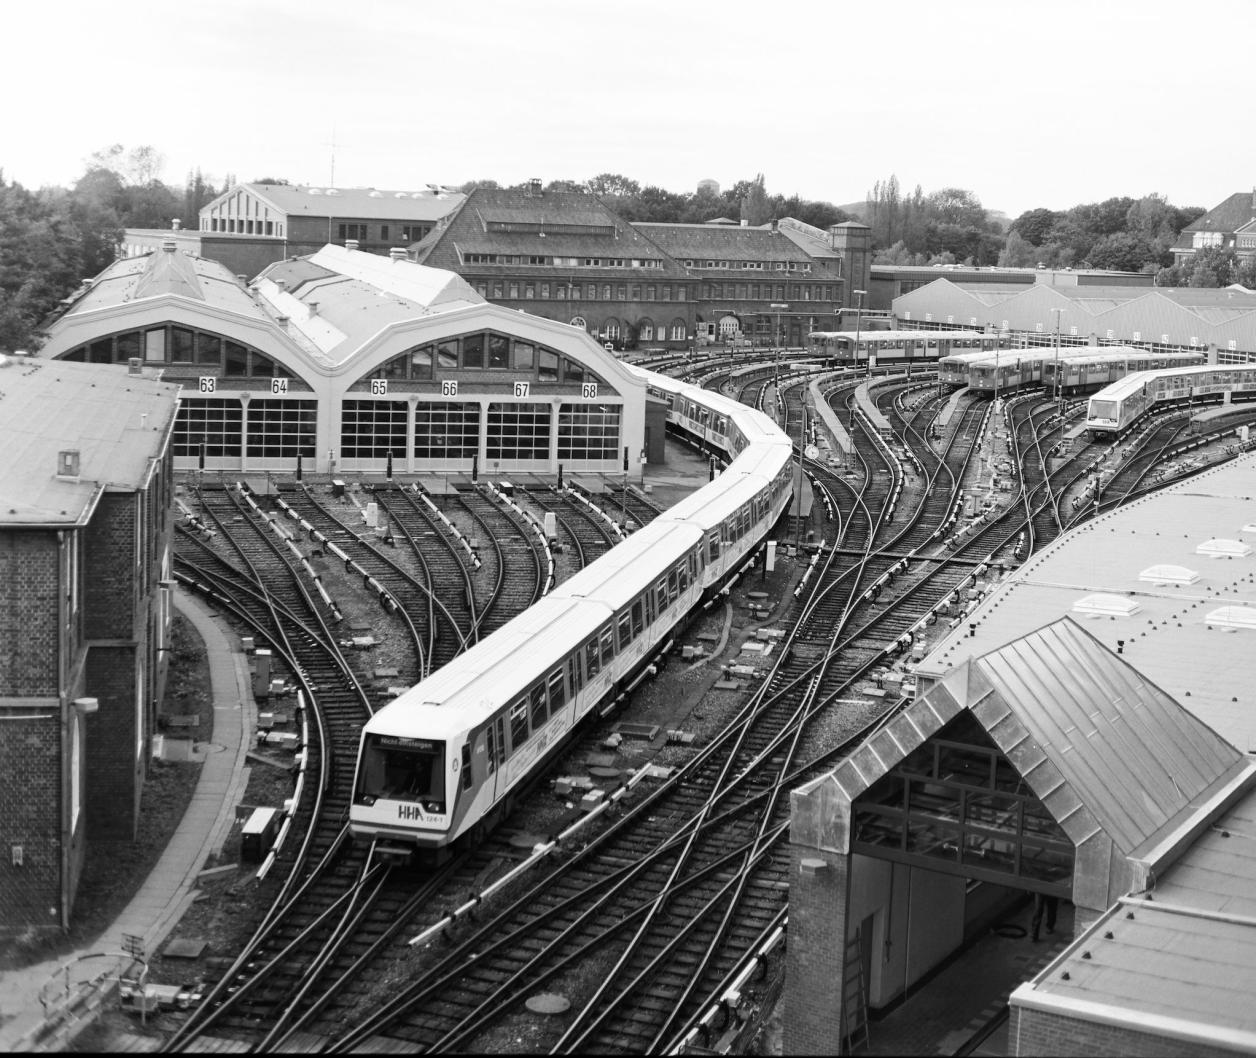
(1043, 902)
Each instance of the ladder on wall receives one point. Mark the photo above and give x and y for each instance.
(854, 996)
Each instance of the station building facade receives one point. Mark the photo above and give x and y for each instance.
(350, 361)
(85, 596)
(1219, 323)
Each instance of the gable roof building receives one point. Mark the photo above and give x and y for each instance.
(1230, 225)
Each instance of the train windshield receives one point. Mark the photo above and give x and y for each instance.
(403, 769)
(1103, 409)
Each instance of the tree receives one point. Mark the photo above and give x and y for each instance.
(136, 165)
(564, 185)
(653, 204)
(754, 207)
(1018, 252)
(471, 185)
(612, 185)
(1246, 272)
(1121, 251)
(1034, 225)
(1213, 266)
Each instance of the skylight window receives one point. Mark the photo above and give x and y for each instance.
(1232, 617)
(1218, 548)
(1168, 574)
(1104, 605)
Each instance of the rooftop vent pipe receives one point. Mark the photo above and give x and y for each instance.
(351, 244)
(397, 253)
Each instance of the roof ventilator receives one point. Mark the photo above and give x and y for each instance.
(68, 464)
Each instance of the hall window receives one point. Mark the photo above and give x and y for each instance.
(619, 291)
(421, 362)
(497, 289)
(680, 293)
(208, 349)
(573, 372)
(279, 429)
(575, 290)
(667, 293)
(447, 354)
(498, 352)
(473, 352)
(545, 290)
(525, 356)
(606, 292)
(216, 421)
(236, 363)
(446, 430)
(529, 290)
(155, 345)
(181, 345)
(588, 431)
(518, 431)
(128, 346)
(370, 429)
(547, 366)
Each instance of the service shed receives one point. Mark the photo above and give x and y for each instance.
(1048, 765)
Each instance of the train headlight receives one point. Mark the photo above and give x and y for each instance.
(366, 799)
(436, 807)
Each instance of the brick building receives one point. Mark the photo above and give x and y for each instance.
(565, 256)
(250, 226)
(1231, 225)
(85, 528)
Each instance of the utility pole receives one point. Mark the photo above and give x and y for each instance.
(1059, 393)
(859, 296)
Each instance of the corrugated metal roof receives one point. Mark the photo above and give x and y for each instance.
(1099, 744)
(1131, 755)
(116, 421)
(1210, 672)
(722, 242)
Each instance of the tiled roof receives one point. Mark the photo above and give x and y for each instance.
(1228, 217)
(466, 232)
(366, 202)
(698, 242)
(117, 422)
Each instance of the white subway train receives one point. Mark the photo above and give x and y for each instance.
(1116, 408)
(443, 761)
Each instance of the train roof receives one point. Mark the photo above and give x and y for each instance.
(625, 571)
(886, 337)
(710, 512)
(527, 647)
(1120, 354)
(1123, 387)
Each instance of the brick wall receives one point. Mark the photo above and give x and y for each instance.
(28, 613)
(1034, 1032)
(114, 771)
(30, 816)
(109, 563)
(815, 951)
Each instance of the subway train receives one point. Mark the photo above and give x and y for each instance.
(442, 762)
(1116, 408)
(1077, 375)
(1083, 369)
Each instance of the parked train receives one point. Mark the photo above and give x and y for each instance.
(840, 348)
(1116, 408)
(1082, 368)
(443, 760)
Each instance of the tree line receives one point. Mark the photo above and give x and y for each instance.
(53, 238)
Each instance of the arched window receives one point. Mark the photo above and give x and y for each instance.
(578, 321)
(611, 329)
(729, 327)
(677, 330)
(645, 330)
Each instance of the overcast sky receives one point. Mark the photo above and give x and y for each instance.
(1025, 105)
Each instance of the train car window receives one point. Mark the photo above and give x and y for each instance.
(501, 740)
(664, 601)
(575, 673)
(638, 618)
(403, 769)
(713, 544)
(592, 658)
(518, 724)
(625, 630)
(557, 691)
(491, 744)
(651, 611)
(540, 713)
(673, 584)
(466, 766)
(607, 638)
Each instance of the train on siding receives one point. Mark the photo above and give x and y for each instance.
(896, 347)
(1082, 369)
(443, 762)
(1119, 406)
